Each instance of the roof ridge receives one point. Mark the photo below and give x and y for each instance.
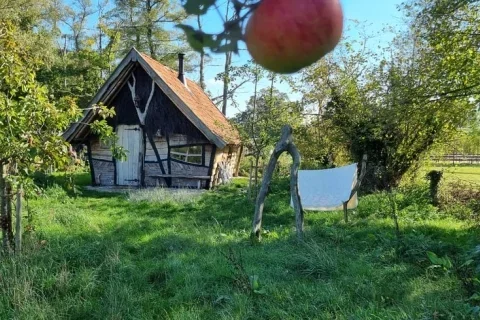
(197, 100)
(188, 79)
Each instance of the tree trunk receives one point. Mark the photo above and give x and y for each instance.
(285, 144)
(226, 81)
(257, 160)
(202, 59)
(18, 222)
(297, 203)
(5, 210)
(250, 181)
(151, 44)
(228, 62)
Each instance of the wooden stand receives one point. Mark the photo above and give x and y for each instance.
(285, 144)
(357, 186)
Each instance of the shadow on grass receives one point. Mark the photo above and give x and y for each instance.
(148, 260)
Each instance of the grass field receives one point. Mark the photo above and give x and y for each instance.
(110, 256)
(464, 173)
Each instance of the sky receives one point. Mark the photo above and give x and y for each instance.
(374, 15)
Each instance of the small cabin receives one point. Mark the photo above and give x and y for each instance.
(173, 134)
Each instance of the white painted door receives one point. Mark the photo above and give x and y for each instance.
(128, 171)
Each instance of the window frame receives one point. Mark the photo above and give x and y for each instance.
(185, 156)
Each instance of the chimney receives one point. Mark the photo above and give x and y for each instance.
(181, 68)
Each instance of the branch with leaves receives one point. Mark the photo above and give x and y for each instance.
(228, 39)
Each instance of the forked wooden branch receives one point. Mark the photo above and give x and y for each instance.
(363, 170)
(284, 145)
(356, 187)
(141, 115)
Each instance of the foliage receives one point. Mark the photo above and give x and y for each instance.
(31, 125)
(77, 74)
(461, 199)
(228, 39)
(439, 262)
(143, 24)
(398, 108)
(266, 114)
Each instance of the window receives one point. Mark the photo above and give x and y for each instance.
(190, 154)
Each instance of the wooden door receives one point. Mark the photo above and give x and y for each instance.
(131, 139)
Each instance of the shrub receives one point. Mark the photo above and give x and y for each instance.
(461, 199)
(412, 202)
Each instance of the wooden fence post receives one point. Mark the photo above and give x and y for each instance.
(345, 211)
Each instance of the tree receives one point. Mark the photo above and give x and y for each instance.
(267, 112)
(143, 24)
(418, 94)
(31, 124)
(201, 70)
(448, 32)
(79, 74)
(83, 57)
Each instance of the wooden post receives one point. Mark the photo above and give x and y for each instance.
(250, 193)
(3, 208)
(297, 203)
(18, 222)
(285, 144)
(356, 187)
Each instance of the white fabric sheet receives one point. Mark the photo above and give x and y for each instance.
(327, 190)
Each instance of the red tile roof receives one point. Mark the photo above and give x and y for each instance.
(197, 101)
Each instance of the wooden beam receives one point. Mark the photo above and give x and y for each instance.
(182, 106)
(69, 135)
(157, 154)
(18, 221)
(90, 162)
(179, 176)
(210, 166)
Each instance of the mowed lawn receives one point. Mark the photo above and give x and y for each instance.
(111, 256)
(463, 173)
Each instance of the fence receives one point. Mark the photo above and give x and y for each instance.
(458, 158)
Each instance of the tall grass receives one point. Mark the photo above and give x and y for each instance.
(155, 256)
(180, 196)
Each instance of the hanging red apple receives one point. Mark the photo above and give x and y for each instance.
(287, 35)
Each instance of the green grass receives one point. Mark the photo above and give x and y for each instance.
(463, 173)
(107, 256)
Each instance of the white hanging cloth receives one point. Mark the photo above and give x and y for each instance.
(327, 190)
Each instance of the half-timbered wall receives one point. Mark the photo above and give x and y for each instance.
(165, 128)
(102, 166)
(173, 166)
(224, 164)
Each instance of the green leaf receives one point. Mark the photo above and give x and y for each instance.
(254, 282)
(198, 7)
(198, 40)
(434, 259)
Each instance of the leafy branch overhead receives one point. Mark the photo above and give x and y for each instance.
(228, 39)
(269, 36)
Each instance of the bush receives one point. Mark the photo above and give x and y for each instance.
(461, 200)
(412, 202)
